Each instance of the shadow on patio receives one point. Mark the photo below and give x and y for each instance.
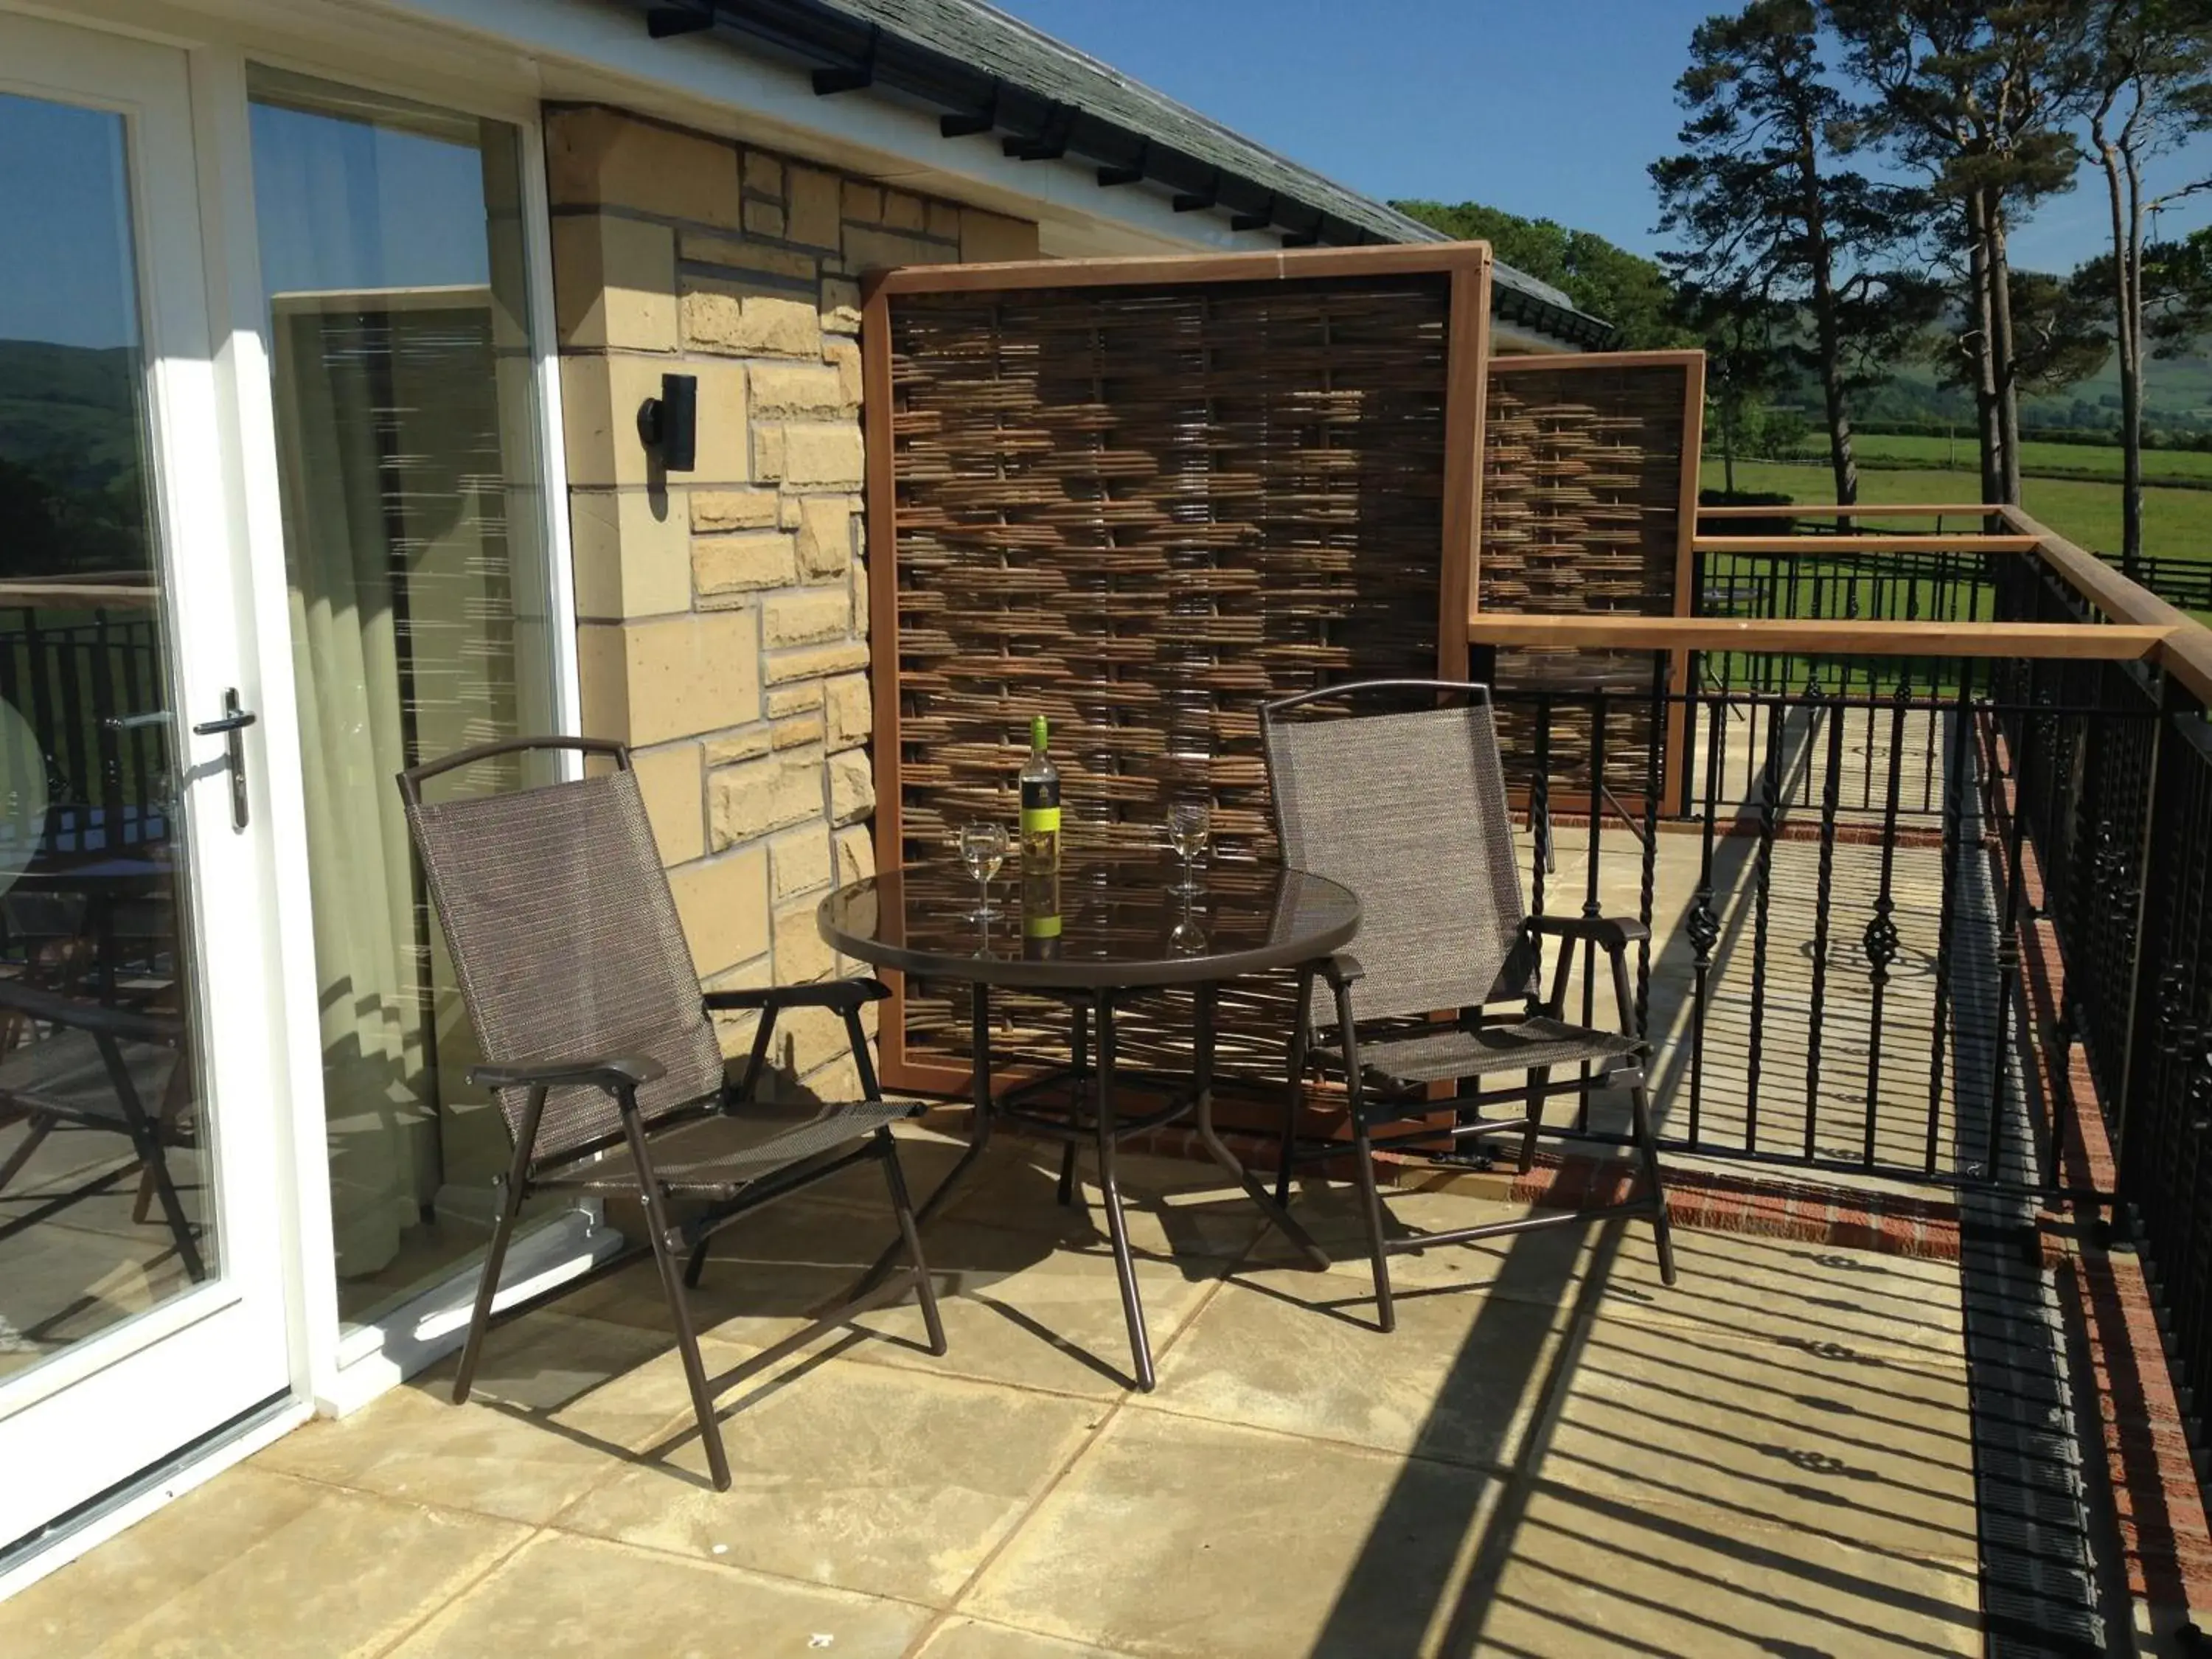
(1552, 1455)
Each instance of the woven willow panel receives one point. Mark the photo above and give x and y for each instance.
(1582, 509)
(1142, 512)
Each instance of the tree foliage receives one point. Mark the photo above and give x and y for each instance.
(1629, 291)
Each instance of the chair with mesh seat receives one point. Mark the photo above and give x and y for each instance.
(599, 1045)
(1409, 811)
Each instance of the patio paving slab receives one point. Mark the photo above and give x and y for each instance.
(562, 1595)
(972, 1639)
(1172, 1536)
(888, 1482)
(1553, 1455)
(556, 1400)
(346, 1574)
(1451, 1382)
(1575, 1575)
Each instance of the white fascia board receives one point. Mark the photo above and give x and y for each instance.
(598, 50)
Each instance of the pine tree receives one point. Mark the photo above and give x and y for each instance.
(1765, 207)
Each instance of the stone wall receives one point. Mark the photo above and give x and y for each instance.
(722, 613)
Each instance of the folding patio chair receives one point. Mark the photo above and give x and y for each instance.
(600, 1047)
(1409, 811)
(93, 1066)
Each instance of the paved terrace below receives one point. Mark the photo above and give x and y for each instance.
(1553, 1455)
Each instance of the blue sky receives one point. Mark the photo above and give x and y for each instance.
(1545, 108)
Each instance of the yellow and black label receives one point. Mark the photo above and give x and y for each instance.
(1041, 808)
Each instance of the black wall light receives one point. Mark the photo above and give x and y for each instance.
(670, 423)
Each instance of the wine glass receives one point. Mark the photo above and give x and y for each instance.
(1188, 824)
(983, 849)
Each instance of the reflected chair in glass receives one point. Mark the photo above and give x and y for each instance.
(91, 1065)
(1408, 810)
(599, 1046)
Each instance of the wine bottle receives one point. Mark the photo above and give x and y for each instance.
(1040, 780)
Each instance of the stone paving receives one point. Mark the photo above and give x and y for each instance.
(1553, 1454)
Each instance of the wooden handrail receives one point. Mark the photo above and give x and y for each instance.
(1619, 631)
(1818, 510)
(1813, 546)
(2186, 650)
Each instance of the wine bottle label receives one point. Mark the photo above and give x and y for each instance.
(1041, 807)
(1041, 925)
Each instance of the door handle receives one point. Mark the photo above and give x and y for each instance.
(231, 728)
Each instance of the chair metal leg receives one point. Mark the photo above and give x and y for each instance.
(903, 1206)
(695, 1267)
(1066, 1193)
(1647, 1143)
(1125, 1265)
(1647, 1148)
(679, 1305)
(1294, 1090)
(1537, 1078)
(1386, 1312)
(502, 1228)
(42, 1125)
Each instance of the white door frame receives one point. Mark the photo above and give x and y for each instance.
(98, 1412)
(327, 1370)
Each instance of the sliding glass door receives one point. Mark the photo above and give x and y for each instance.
(405, 402)
(141, 1249)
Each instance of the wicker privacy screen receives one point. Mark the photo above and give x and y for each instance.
(1141, 497)
(1589, 504)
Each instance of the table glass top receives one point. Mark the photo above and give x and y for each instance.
(1103, 922)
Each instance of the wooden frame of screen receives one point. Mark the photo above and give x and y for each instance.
(1692, 365)
(1465, 265)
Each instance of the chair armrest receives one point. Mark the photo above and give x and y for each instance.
(132, 1025)
(1614, 932)
(613, 1072)
(841, 994)
(1341, 967)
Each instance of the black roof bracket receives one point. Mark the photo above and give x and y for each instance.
(1110, 175)
(850, 77)
(1050, 142)
(665, 23)
(1200, 201)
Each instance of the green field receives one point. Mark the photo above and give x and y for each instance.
(2177, 523)
(2050, 461)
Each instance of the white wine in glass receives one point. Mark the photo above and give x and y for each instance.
(983, 849)
(1189, 823)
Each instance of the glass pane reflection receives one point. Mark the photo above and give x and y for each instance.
(104, 1178)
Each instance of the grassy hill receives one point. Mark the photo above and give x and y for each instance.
(2177, 521)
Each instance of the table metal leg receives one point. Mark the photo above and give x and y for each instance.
(979, 1138)
(1125, 1265)
(1202, 1080)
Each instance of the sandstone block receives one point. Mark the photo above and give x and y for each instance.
(813, 215)
(814, 662)
(803, 617)
(648, 682)
(843, 354)
(741, 563)
(596, 155)
(904, 212)
(614, 283)
(841, 305)
(819, 454)
(988, 237)
(732, 509)
(798, 862)
(856, 853)
(723, 903)
(848, 704)
(813, 389)
(670, 781)
(802, 955)
(863, 201)
(825, 535)
(757, 796)
(763, 218)
(631, 552)
(852, 787)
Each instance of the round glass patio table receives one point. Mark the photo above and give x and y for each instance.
(1114, 929)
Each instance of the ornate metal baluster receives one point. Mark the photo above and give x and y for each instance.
(1823, 898)
(1656, 739)
(1770, 790)
(1591, 906)
(1702, 925)
(1958, 759)
(1881, 941)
